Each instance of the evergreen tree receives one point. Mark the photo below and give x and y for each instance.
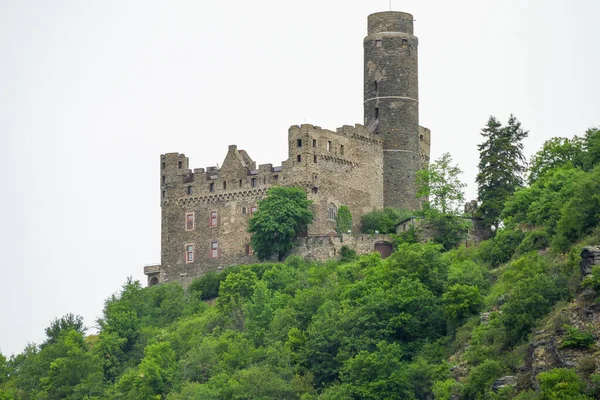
(501, 167)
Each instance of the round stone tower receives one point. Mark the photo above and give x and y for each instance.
(392, 103)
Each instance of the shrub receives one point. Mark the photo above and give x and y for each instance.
(383, 221)
(577, 339)
(343, 220)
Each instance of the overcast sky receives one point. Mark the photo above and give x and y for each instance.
(92, 92)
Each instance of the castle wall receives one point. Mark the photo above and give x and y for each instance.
(342, 167)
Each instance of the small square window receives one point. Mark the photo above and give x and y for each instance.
(214, 219)
(314, 142)
(189, 253)
(299, 158)
(211, 187)
(189, 190)
(214, 250)
(244, 210)
(299, 142)
(378, 43)
(275, 178)
(189, 221)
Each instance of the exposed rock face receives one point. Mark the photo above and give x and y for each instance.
(590, 256)
(505, 381)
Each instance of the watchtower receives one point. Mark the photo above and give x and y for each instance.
(391, 103)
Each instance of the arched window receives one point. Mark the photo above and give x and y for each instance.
(153, 281)
(331, 211)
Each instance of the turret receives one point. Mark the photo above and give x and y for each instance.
(391, 103)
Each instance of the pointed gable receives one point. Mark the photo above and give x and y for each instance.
(236, 164)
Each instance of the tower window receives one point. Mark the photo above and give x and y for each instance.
(214, 250)
(376, 112)
(329, 145)
(189, 253)
(375, 85)
(315, 159)
(275, 178)
(189, 190)
(378, 43)
(240, 183)
(164, 194)
(164, 179)
(211, 187)
(421, 137)
(314, 142)
(299, 158)
(299, 142)
(342, 149)
(214, 219)
(180, 165)
(224, 185)
(189, 221)
(404, 42)
(164, 165)
(331, 211)
(249, 250)
(253, 182)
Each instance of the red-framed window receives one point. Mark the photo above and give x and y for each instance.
(189, 221)
(253, 209)
(214, 250)
(189, 253)
(213, 220)
(249, 251)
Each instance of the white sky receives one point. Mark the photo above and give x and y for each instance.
(92, 92)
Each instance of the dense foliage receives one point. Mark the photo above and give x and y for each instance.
(281, 216)
(433, 320)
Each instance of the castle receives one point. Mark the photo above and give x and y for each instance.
(205, 212)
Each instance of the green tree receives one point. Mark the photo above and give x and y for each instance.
(555, 152)
(63, 324)
(501, 167)
(561, 384)
(281, 216)
(343, 220)
(460, 302)
(441, 184)
(383, 221)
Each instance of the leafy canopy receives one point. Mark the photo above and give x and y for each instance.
(281, 216)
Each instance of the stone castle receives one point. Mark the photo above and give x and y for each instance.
(205, 212)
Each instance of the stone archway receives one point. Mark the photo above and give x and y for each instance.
(384, 248)
(153, 281)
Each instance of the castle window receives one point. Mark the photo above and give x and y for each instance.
(211, 187)
(189, 221)
(376, 85)
(315, 159)
(331, 212)
(189, 190)
(214, 219)
(253, 209)
(299, 142)
(243, 210)
(253, 182)
(180, 165)
(164, 194)
(189, 253)
(275, 178)
(315, 189)
(404, 42)
(421, 137)
(376, 112)
(224, 185)
(164, 179)
(315, 177)
(314, 142)
(240, 183)
(342, 149)
(164, 165)
(249, 250)
(378, 43)
(299, 158)
(329, 145)
(214, 250)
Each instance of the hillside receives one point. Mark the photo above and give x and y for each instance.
(511, 317)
